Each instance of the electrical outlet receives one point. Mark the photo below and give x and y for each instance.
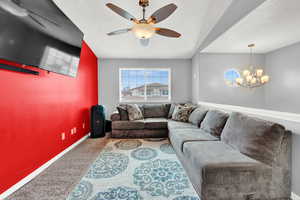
(63, 136)
(74, 130)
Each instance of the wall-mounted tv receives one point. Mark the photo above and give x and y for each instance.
(37, 33)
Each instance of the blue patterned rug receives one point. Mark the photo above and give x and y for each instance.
(135, 169)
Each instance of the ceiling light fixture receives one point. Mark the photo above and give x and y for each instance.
(143, 30)
(252, 77)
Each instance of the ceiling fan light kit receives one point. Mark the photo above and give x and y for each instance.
(144, 29)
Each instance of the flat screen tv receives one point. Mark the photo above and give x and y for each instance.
(37, 33)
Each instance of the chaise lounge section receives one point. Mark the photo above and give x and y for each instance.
(226, 156)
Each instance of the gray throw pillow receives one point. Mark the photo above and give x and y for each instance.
(171, 110)
(197, 116)
(122, 109)
(214, 122)
(134, 112)
(256, 138)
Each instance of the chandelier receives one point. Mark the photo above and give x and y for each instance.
(252, 77)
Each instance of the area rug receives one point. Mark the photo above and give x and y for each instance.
(135, 169)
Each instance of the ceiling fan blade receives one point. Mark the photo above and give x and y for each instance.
(121, 31)
(121, 12)
(144, 42)
(163, 13)
(37, 21)
(43, 17)
(167, 32)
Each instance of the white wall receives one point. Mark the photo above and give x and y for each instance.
(209, 84)
(283, 94)
(181, 71)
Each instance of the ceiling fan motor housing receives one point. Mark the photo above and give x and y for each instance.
(144, 3)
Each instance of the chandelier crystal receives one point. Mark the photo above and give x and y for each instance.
(253, 76)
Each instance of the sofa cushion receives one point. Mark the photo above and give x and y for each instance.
(134, 112)
(179, 136)
(198, 115)
(171, 110)
(180, 125)
(220, 164)
(156, 123)
(214, 122)
(155, 110)
(182, 113)
(128, 125)
(123, 112)
(254, 137)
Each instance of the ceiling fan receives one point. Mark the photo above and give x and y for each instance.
(144, 28)
(15, 7)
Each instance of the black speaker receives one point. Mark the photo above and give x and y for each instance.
(97, 121)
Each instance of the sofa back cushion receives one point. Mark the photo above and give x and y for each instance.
(256, 138)
(122, 110)
(155, 110)
(214, 122)
(134, 112)
(197, 116)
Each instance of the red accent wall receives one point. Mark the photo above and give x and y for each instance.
(35, 110)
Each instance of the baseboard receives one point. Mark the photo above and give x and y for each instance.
(36, 172)
(295, 197)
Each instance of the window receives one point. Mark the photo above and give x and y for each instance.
(230, 76)
(145, 85)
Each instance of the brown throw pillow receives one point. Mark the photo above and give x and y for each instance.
(182, 113)
(122, 109)
(134, 112)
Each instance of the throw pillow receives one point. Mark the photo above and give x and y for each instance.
(171, 110)
(182, 113)
(197, 116)
(122, 109)
(214, 122)
(134, 112)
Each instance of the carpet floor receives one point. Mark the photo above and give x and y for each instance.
(57, 181)
(135, 169)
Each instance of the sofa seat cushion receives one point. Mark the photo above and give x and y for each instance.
(128, 125)
(220, 164)
(156, 123)
(180, 125)
(254, 137)
(179, 136)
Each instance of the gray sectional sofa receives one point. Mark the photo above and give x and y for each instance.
(226, 156)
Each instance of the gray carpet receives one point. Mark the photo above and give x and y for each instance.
(57, 181)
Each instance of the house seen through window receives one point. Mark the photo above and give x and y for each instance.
(145, 85)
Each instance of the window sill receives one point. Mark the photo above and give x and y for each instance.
(145, 102)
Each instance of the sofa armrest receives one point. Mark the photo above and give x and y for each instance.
(115, 116)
